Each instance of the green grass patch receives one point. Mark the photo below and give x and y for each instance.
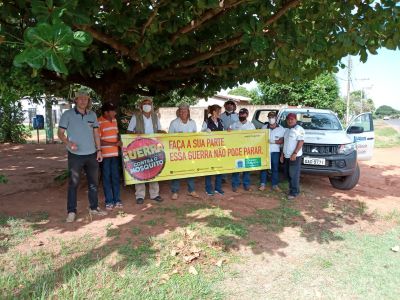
(3, 179)
(63, 177)
(386, 136)
(13, 231)
(277, 218)
(361, 267)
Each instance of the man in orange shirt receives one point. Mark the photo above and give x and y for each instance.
(110, 144)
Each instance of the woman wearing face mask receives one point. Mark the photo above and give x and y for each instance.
(213, 123)
(242, 124)
(276, 133)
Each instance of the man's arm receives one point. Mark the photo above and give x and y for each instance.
(98, 144)
(296, 150)
(64, 139)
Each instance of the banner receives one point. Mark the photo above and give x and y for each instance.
(156, 157)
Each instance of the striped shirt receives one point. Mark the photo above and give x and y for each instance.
(108, 133)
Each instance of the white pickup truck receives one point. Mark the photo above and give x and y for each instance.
(328, 149)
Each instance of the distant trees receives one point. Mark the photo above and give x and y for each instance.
(386, 110)
(322, 92)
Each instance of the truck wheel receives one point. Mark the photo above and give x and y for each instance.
(346, 182)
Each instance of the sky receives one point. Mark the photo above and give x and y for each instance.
(379, 77)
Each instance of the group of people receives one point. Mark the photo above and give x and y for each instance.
(93, 140)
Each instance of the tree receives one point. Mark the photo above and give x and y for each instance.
(242, 91)
(322, 92)
(125, 48)
(358, 103)
(386, 110)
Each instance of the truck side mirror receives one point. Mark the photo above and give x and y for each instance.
(355, 129)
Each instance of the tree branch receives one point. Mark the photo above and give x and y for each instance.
(208, 15)
(156, 6)
(206, 55)
(116, 45)
(288, 5)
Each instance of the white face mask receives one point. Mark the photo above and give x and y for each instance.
(272, 121)
(147, 108)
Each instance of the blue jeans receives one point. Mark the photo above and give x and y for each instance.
(274, 169)
(218, 184)
(292, 172)
(75, 165)
(245, 179)
(111, 179)
(175, 185)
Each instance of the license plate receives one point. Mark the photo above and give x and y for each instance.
(314, 161)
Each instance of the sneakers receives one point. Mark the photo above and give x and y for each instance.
(71, 217)
(139, 201)
(276, 188)
(210, 193)
(157, 199)
(174, 196)
(291, 197)
(119, 205)
(248, 189)
(109, 206)
(97, 212)
(234, 189)
(194, 194)
(262, 188)
(220, 192)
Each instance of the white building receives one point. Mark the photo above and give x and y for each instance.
(32, 109)
(221, 99)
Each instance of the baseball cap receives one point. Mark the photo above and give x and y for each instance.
(291, 116)
(243, 111)
(108, 106)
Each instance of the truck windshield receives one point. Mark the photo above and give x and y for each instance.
(313, 120)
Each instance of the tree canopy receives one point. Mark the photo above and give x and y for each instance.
(153, 47)
(386, 110)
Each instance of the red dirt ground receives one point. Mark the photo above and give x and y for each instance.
(31, 188)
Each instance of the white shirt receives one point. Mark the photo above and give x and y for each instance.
(274, 135)
(240, 126)
(227, 121)
(291, 137)
(178, 126)
(148, 124)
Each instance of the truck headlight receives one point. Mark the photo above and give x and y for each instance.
(347, 148)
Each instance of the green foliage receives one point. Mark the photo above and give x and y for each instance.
(3, 179)
(386, 110)
(242, 91)
(11, 128)
(322, 92)
(358, 103)
(130, 48)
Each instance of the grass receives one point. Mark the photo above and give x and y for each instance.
(277, 218)
(61, 178)
(386, 136)
(360, 267)
(3, 179)
(141, 267)
(13, 231)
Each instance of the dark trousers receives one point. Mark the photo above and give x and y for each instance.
(217, 186)
(110, 176)
(292, 172)
(91, 167)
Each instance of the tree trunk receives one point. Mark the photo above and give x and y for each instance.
(110, 93)
(49, 120)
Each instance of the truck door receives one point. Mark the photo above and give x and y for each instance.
(365, 141)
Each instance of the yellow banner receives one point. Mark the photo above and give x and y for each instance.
(156, 157)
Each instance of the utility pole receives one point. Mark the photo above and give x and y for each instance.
(348, 90)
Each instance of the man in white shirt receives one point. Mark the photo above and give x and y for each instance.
(292, 152)
(276, 134)
(229, 116)
(181, 124)
(242, 124)
(146, 122)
